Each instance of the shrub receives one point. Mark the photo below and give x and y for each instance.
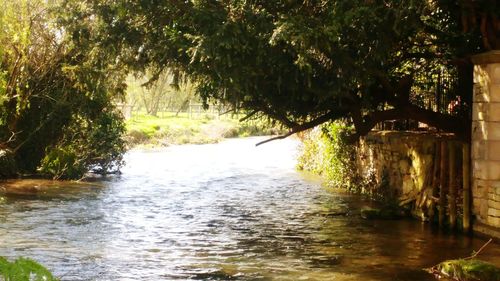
(87, 146)
(62, 162)
(326, 152)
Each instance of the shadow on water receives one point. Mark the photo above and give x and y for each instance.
(228, 211)
(40, 189)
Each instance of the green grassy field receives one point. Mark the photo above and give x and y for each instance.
(167, 129)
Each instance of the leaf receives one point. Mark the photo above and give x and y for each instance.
(24, 269)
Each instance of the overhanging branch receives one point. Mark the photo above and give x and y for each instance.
(308, 125)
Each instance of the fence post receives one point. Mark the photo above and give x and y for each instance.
(190, 110)
(466, 187)
(442, 182)
(452, 200)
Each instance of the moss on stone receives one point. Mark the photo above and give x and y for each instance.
(466, 270)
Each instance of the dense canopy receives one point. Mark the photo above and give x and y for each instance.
(64, 64)
(302, 62)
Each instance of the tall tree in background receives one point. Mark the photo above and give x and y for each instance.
(304, 62)
(163, 92)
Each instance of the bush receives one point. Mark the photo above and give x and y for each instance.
(326, 152)
(62, 162)
(87, 146)
(135, 137)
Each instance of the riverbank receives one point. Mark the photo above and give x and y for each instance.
(158, 131)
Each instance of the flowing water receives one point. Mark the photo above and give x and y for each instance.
(228, 211)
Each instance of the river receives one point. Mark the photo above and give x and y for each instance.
(228, 211)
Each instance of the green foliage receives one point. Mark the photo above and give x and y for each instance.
(340, 155)
(24, 269)
(311, 154)
(304, 62)
(62, 162)
(326, 152)
(87, 145)
(57, 94)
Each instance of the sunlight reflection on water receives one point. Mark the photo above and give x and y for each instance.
(229, 211)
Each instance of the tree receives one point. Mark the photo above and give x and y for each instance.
(56, 90)
(307, 62)
(152, 96)
(162, 92)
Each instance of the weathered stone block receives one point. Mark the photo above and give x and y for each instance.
(493, 150)
(480, 189)
(476, 206)
(481, 84)
(483, 191)
(479, 150)
(493, 132)
(479, 73)
(479, 130)
(494, 205)
(480, 93)
(493, 170)
(483, 211)
(493, 212)
(494, 93)
(480, 111)
(480, 169)
(494, 197)
(494, 221)
(494, 71)
(492, 113)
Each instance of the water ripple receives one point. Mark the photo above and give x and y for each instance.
(230, 211)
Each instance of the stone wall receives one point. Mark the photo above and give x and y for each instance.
(485, 153)
(404, 160)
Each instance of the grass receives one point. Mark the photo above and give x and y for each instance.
(168, 129)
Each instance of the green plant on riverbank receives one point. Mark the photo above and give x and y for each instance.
(326, 152)
(24, 269)
(148, 130)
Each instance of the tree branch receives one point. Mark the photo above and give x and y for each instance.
(248, 116)
(448, 123)
(308, 125)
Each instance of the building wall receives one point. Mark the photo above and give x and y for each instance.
(485, 152)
